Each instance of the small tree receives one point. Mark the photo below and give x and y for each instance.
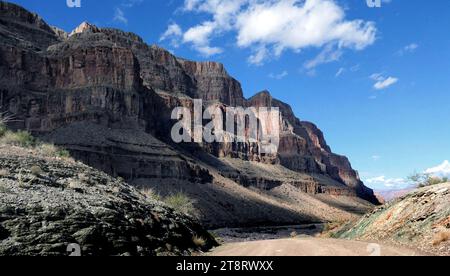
(426, 179)
(418, 179)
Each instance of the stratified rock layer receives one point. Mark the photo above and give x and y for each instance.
(107, 97)
(420, 219)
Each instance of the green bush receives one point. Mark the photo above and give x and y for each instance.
(63, 153)
(20, 138)
(3, 129)
(181, 203)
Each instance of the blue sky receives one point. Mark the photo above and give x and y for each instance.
(379, 87)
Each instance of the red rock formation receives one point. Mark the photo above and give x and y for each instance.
(53, 81)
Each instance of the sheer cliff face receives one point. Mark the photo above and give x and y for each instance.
(99, 80)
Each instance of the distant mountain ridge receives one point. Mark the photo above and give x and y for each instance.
(389, 195)
(107, 96)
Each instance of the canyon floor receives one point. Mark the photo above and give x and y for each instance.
(310, 247)
(299, 240)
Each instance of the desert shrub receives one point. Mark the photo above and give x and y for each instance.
(150, 194)
(441, 237)
(3, 129)
(63, 153)
(36, 170)
(424, 180)
(199, 242)
(51, 150)
(47, 149)
(20, 138)
(181, 203)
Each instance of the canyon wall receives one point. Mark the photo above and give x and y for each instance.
(107, 96)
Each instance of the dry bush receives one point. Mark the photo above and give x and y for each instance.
(199, 242)
(149, 193)
(181, 203)
(20, 138)
(51, 150)
(36, 170)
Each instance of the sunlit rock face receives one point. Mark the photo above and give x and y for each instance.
(108, 97)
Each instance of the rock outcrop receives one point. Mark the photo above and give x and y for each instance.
(420, 219)
(107, 96)
(46, 204)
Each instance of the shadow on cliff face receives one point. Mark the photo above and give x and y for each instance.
(342, 205)
(220, 205)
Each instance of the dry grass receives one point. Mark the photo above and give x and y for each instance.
(149, 193)
(199, 242)
(51, 150)
(20, 139)
(441, 237)
(181, 203)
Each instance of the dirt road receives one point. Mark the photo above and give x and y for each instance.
(310, 247)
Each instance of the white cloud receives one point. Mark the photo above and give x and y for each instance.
(441, 170)
(340, 72)
(376, 157)
(269, 27)
(387, 182)
(119, 16)
(411, 48)
(279, 76)
(199, 36)
(258, 57)
(131, 3)
(382, 82)
(173, 33)
(355, 68)
(327, 55)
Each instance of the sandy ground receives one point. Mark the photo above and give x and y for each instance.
(310, 247)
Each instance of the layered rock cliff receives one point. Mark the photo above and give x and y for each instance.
(419, 219)
(107, 96)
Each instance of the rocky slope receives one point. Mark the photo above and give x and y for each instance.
(47, 204)
(107, 96)
(421, 219)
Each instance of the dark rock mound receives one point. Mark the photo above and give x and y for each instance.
(47, 204)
